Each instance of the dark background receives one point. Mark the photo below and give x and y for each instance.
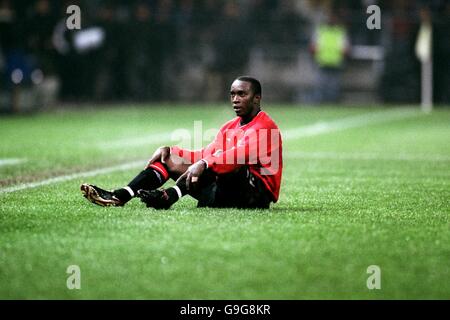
(185, 50)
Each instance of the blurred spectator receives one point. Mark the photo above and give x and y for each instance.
(232, 44)
(40, 23)
(168, 39)
(400, 81)
(110, 73)
(164, 19)
(145, 55)
(441, 52)
(259, 17)
(78, 57)
(147, 46)
(286, 22)
(7, 19)
(330, 45)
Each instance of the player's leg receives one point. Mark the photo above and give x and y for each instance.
(165, 198)
(241, 189)
(151, 178)
(154, 176)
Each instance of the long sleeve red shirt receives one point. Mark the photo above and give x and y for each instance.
(257, 144)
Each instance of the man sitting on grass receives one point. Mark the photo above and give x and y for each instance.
(241, 168)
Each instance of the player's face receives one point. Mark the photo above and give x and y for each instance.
(245, 103)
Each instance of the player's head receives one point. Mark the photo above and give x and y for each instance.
(255, 84)
(245, 95)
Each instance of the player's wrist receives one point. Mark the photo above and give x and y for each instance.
(205, 163)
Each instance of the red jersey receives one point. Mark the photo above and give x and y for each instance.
(256, 144)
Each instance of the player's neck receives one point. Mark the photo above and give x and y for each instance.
(247, 119)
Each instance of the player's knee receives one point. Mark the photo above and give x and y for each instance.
(176, 164)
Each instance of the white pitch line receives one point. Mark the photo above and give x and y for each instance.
(295, 133)
(11, 161)
(315, 129)
(349, 122)
(121, 167)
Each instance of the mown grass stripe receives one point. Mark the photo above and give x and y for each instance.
(350, 122)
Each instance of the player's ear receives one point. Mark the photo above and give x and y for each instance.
(257, 99)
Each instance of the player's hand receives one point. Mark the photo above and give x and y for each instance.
(161, 154)
(192, 175)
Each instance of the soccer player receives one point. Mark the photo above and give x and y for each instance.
(241, 168)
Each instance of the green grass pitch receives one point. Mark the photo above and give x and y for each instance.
(356, 192)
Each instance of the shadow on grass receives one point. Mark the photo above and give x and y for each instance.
(296, 209)
(273, 209)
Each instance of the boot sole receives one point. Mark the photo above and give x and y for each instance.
(92, 195)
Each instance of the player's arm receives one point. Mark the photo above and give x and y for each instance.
(161, 154)
(193, 156)
(255, 147)
(192, 174)
(199, 165)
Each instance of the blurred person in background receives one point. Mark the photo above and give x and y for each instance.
(330, 45)
(110, 81)
(286, 24)
(232, 43)
(400, 81)
(145, 55)
(113, 19)
(13, 48)
(439, 12)
(149, 45)
(7, 19)
(25, 40)
(40, 23)
(168, 39)
(79, 57)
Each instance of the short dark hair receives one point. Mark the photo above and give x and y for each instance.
(256, 85)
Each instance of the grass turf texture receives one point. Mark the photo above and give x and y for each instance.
(375, 194)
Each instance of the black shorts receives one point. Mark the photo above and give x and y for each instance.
(240, 189)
